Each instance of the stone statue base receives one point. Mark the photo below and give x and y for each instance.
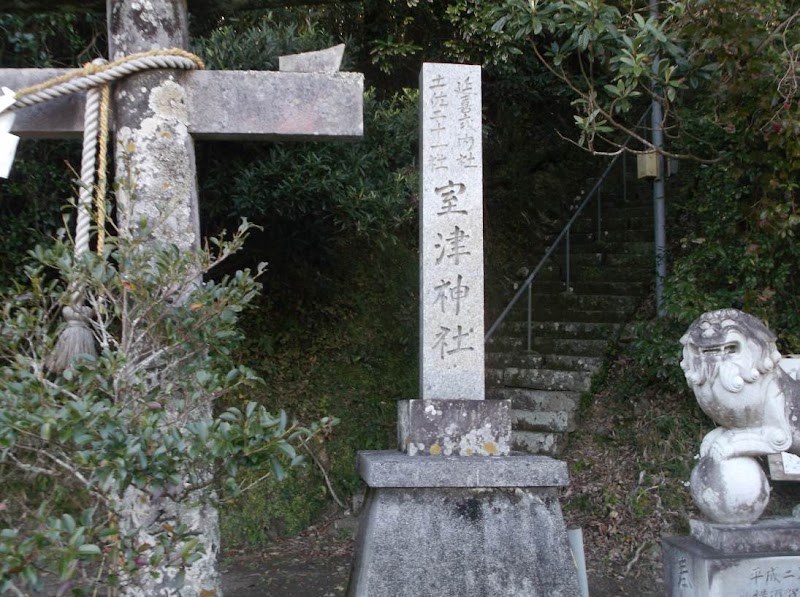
(462, 527)
(722, 560)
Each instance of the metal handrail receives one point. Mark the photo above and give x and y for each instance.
(564, 233)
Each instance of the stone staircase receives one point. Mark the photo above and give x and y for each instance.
(572, 328)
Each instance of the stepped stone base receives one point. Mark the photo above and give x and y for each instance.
(462, 527)
(734, 560)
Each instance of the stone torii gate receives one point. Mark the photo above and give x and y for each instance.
(159, 113)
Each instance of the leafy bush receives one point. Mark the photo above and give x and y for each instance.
(133, 425)
(656, 349)
(31, 201)
(255, 43)
(51, 39)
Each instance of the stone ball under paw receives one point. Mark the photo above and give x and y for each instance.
(731, 491)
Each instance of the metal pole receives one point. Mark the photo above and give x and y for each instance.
(658, 188)
(599, 214)
(566, 258)
(530, 299)
(625, 177)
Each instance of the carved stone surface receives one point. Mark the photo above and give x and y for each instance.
(733, 491)
(730, 361)
(692, 569)
(455, 514)
(451, 233)
(454, 427)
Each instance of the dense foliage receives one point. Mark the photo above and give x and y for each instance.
(135, 417)
(40, 184)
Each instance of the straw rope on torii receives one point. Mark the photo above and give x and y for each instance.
(94, 78)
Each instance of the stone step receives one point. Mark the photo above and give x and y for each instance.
(557, 312)
(560, 329)
(571, 331)
(585, 315)
(546, 379)
(633, 271)
(618, 220)
(599, 265)
(580, 238)
(522, 358)
(584, 302)
(598, 255)
(494, 378)
(538, 442)
(578, 286)
(557, 421)
(582, 347)
(537, 400)
(530, 360)
(614, 248)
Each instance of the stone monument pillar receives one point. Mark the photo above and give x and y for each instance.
(452, 512)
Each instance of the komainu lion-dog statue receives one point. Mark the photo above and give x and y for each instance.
(731, 362)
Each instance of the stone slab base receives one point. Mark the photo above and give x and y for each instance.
(385, 468)
(693, 569)
(454, 427)
(465, 540)
(765, 535)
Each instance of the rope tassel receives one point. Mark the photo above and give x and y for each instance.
(75, 340)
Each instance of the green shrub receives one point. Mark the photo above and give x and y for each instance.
(134, 420)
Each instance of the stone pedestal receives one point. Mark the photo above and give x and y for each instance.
(453, 513)
(720, 560)
(454, 526)
(454, 427)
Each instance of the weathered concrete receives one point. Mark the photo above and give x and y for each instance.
(155, 169)
(156, 113)
(499, 542)
(454, 427)
(559, 421)
(693, 569)
(555, 379)
(268, 106)
(154, 151)
(538, 442)
(223, 105)
(767, 535)
(394, 469)
(328, 60)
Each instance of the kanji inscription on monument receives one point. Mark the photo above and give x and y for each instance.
(451, 233)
